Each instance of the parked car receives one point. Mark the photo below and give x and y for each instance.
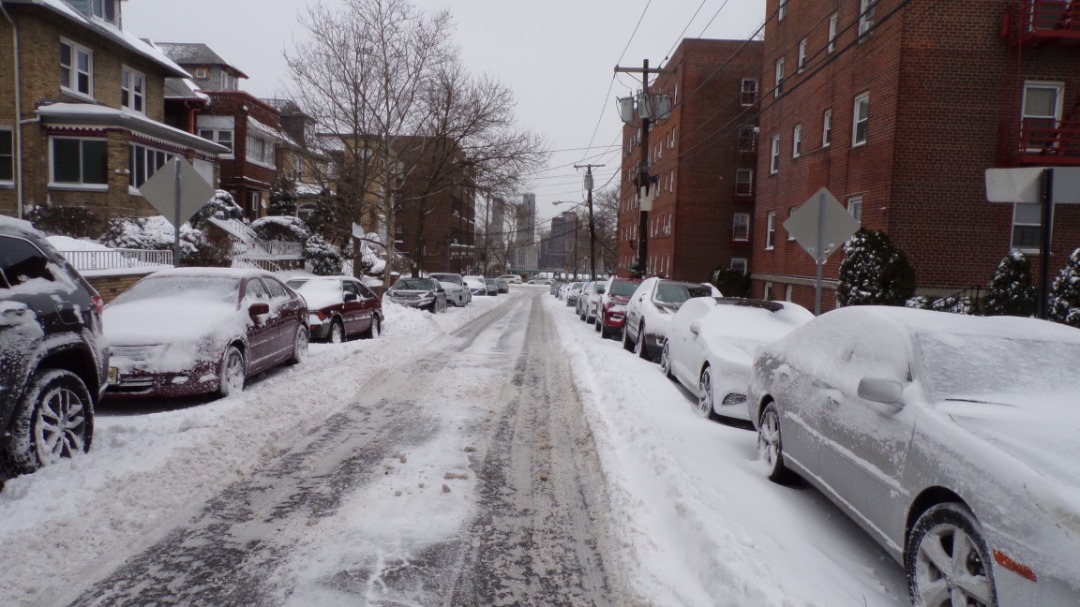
(477, 285)
(710, 347)
(950, 439)
(339, 307)
(185, 331)
(422, 293)
(590, 301)
(649, 311)
(571, 292)
(457, 293)
(511, 279)
(502, 285)
(493, 286)
(53, 357)
(610, 313)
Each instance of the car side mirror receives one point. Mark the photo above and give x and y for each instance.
(258, 309)
(695, 327)
(884, 391)
(350, 296)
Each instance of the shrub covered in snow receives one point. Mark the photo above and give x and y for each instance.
(281, 227)
(283, 197)
(156, 233)
(221, 206)
(322, 258)
(1065, 293)
(1011, 292)
(65, 220)
(874, 272)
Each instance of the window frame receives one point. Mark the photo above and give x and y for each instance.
(791, 211)
(826, 128)
(71, 84)
(796, 141)
(855, 207)
(216, 138)
(748, 92)
(81, 184)
(774, 155)
(740, 264)
(747, 139)
(1022, 246)
(834, 20)
(136, 96)
(151, 164)
(740, 232)
(867, 10)
(778, 76)
(748, 181)
(770, 231)
(801, 64)
(260, 151)
(7, 156)
(781, 10)
(1059, 96)
(864, 100)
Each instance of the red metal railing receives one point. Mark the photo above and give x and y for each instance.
(1045, 20)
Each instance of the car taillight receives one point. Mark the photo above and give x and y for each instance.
(99, 304)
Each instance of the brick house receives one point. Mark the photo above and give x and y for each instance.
(298, 159)
(81, 110)
(249, 127)
(899, 107)
(703, 158)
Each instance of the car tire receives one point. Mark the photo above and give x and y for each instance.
(300, 345)
(771, 445)
(337, 332)
(640, 346)
(53, 420)
(233, 372)
(706, 405)
(665, 360)
(375, 330)
(626, 343)
(946, 544)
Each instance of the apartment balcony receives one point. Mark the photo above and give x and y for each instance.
(1041, 22)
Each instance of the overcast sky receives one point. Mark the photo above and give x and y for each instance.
(558, 56)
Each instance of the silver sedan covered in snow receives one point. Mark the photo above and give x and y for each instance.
(951, 440)
(649, 312)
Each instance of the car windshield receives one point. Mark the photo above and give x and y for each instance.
(413, 284)
(624, 288)
(678, 292)
(958, 366)
(210, 288)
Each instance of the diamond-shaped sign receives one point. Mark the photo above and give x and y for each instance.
(824, 210)
(160, 190)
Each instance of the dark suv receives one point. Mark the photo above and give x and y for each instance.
(53, 361)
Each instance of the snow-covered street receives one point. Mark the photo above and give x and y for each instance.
(500, 453)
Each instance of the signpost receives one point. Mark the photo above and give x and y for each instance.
(177, 190)
(1037, 185)
(821, 226)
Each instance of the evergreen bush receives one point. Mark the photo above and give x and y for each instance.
(1011, 292)
(874, 272)
(1065, 293)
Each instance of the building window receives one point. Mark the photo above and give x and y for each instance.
(747, 139)
(781, 10)
(255, 201)
(221, 136)
(779, 77)
(104, 9)
(748, 92)
(768, 294)
(80, 161)
(802, 55)
(201, 73)
(833, 20)
(826, 129)
(796, 141)
(1027, 227)
(76, 68)
(143, 162)
(740, 227)
(774, 156)
(7, 156)
(739, 265)
(744, 182)
(1041, 115)
(770, 231)
(260, 151)
(790, 212)
(228, 81)
(854, 207)
(866, 17)
(860, 120)
(133, 90)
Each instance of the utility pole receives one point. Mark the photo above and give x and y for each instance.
(645, 110)
(592, 224)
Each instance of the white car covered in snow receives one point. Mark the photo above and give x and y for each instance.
(649, 312)
(711, 342)
(950, 439)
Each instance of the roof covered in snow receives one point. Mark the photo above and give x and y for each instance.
(89, 114)
(195, 53)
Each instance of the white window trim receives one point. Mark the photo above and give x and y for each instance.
(770, 231)
(796, 141)
(749, 173)
(774, 156)
(781, 10)
(855, 202)
(767, 293)
(249, 157)
(790, 236)
(744, 91)
(71, 86)
(10, 153)
(1059, 87)
(79, 186)
(1012, 227)
(826, 128)
(133, 75)
(833, 21)
(778, 77)
(867, 9)
(802, 56)
(855, 142)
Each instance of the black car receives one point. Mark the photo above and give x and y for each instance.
(53, 361)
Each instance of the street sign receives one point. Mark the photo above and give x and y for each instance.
(1022, 185)
(821, 217)
(161, 191)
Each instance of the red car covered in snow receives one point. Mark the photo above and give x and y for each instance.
(611, 312)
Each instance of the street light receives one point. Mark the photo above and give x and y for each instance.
(592, 232)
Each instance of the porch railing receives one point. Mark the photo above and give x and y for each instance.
(118, 259)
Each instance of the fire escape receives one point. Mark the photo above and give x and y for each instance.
(1039, 127)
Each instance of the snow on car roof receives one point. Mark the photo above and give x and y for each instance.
(930, 321)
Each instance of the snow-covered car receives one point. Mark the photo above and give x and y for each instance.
(710, 347)
(571, 292)
(53, 358)
(950, 439)
(589, 301)
(502, 286)
(339, 307)
(477, 285)
(610, 312)
(457, 293)
(512, 279)
(649, 311)
(185, 331)
(422, 293)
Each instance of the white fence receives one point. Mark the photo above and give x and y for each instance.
(118, 259)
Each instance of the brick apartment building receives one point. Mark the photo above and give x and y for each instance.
(82, 111)
(899, 107)
(703, 158)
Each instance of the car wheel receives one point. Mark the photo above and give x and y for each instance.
(640, 345)
(375, 330)
(337, 332)
(665, 360)
(771, 445)
(300, 346)
(54, 420)
(947, 560)
(233, 372)
(626, 343)
(705, 400)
